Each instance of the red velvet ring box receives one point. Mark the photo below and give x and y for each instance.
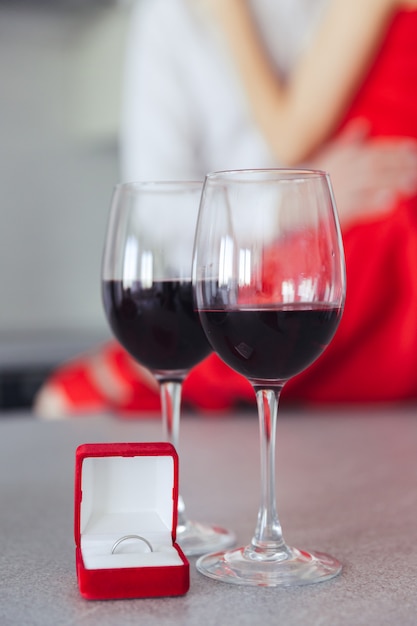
(124, 489)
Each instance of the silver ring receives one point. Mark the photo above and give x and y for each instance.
(126, 537)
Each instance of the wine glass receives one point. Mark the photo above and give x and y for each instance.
(269, 285)
(148, 300)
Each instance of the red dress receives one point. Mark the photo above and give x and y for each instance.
(373, 356)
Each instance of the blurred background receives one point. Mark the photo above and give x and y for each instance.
(60, 68)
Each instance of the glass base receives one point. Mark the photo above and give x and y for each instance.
(244, 566)
(196, 538)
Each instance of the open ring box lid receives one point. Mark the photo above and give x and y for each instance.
(128, 489)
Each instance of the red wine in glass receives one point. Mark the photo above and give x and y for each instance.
(148, 300)
(269, 284)
(273, 343)
(156, 324)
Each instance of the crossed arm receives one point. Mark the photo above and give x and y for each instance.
(298, 116)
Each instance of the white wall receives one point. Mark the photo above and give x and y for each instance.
(60, 76)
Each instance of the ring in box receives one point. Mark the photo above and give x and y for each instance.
(126, 498)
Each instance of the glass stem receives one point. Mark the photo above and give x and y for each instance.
(268, 540)
(171, 410)
(171, 407)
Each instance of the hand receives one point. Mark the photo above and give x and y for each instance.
(368, 174)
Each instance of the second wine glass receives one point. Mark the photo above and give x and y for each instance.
(269, 280)
(148, 300)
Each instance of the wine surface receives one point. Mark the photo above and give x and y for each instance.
(273, 343)
(157, 325)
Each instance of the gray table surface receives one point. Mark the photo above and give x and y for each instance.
(346, 484)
